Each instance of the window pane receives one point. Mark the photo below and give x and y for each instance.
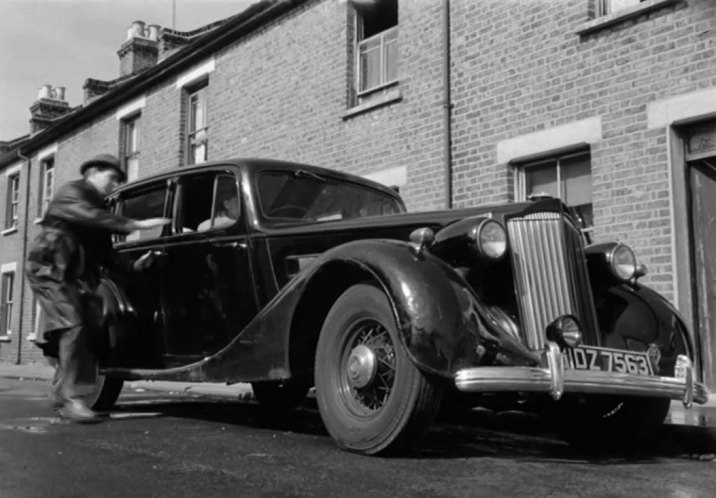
(610, 6)
(284, 197)
(146, 204)
(576, 181)
(391, 58)
(370, 62)
(542, 179)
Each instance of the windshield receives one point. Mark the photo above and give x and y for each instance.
(303, 196)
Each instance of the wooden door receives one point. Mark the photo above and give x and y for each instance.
(702, 184)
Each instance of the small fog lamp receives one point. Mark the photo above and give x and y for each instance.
(565, 331)
(623, 262)
(490, 239)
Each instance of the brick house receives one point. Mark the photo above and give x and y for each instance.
(610, 104)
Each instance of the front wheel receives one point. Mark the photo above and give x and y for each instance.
(371, 396)
(104, 393)
(608, 423)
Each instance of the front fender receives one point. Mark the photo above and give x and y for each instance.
(441, 320)
(637, 317)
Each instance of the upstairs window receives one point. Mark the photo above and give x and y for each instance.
(130, 146)
(376, 45)
(197, 138)
(606, 7)
(6, 299)
(47, 184)
(568, 177)
(12, 204)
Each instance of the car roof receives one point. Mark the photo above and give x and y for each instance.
(256, 165)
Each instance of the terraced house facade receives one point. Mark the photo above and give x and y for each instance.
(609, 104)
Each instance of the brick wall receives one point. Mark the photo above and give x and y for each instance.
(517, 68)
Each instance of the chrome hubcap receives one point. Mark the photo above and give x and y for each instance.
(362, 366)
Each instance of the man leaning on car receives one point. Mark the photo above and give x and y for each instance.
(64, 268)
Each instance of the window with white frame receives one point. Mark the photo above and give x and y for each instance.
(6, 288)
(568, 177)
(197, 136)
(47, 185)
(606, 7)
(130, 146)
(36, 315)
(376, 49)
(12, 203)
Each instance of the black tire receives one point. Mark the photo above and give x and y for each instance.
(385, 406)
(281, 395)
(105, 393)
(608, 423)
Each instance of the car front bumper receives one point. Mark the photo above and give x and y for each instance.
(556, 380)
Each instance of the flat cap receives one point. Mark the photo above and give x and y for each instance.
(104, 161)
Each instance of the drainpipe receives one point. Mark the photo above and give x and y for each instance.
(24, 254)
(447, 106)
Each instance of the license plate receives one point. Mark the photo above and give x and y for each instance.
(609, 360)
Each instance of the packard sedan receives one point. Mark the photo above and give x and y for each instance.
(291, 276)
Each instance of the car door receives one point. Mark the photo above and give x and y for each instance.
(208, 292)
(143, 289)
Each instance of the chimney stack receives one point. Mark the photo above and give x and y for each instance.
(50, 105)
(141, 49)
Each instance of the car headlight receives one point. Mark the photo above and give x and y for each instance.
(622, 262)
(489, 239)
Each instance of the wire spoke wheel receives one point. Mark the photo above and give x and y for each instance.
(371, 396)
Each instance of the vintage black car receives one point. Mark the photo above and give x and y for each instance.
(290, 276)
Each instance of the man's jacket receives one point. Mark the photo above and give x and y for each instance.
(65, 261)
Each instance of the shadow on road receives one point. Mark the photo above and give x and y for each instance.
(473, 434)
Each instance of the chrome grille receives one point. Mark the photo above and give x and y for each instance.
(550, 275)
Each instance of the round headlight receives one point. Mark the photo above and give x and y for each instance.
(623, 262)
(490, 239)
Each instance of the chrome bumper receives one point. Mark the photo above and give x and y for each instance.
(556, 380)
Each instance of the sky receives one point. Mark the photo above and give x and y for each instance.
(64, 42)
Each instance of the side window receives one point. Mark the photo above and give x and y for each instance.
(6, 301)
(141, 204)
(12, 203)
(207, 201)
(47, 185)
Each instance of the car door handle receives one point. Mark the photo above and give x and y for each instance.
(232, 245)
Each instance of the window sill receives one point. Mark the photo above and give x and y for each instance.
(622, 15)
(37, 221)
(32, 337)
(8, 231)
(5, 338)
(390, 96)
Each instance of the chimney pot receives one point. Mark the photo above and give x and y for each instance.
(45, 92)
(152, 32)
(137, 29)
(58, 92)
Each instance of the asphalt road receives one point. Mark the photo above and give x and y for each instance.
(163, 445)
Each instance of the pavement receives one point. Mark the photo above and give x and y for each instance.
(698, 415)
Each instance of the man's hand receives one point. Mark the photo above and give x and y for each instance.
(144, 261)
(149, 223)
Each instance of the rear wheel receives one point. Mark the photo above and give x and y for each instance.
(609, 423)
(371, 396)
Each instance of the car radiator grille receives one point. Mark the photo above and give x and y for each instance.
(550, 276)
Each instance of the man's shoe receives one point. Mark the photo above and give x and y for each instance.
(76, 410)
